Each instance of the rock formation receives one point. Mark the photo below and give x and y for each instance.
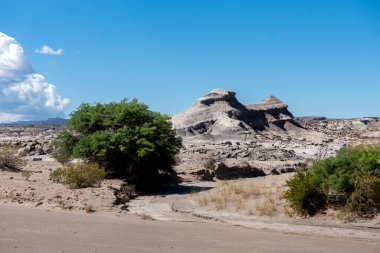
(219, 114)
(365, 128)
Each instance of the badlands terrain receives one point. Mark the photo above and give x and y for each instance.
(233, 169)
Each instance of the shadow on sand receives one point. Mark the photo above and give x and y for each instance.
(179, 189)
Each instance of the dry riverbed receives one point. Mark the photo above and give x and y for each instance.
(252, 203)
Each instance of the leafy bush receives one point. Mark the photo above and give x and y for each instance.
(125, 138)
(63, 146)
(350, 181)
(305, 194)
(9, 160)
(337, 173)
(79, 175)
(365, 200)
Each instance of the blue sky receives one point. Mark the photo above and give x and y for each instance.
(320, 57)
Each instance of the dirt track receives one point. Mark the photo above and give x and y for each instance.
(35, 230)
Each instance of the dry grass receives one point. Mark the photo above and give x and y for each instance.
(249, 197)
(239, 205)
(26, 174)
(219, 202)
(266, 206)
(204, 201)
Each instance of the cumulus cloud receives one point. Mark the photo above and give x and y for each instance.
(13, 63)
(9, 117)
(24, 94)
(47, 50)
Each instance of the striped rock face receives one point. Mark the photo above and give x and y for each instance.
(219, 114)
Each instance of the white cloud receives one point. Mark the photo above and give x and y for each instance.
(9, 117)
(48, 50)
(35, 91)
(24, 94)
(13, 63)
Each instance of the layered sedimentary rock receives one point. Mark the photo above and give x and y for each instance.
(220, 114)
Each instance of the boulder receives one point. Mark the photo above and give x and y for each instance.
(237, 169)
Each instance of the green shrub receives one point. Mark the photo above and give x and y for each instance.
(365, 200)
(337, 173)
(349, 181)
(63, 146)
(9, 160)
(125, 138)
(305, 195)
(79, 175)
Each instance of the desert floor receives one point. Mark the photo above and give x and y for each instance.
(247, 215)
(36, 230)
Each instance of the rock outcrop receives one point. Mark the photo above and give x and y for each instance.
(29, 140)
(220, 114)
(365, 128)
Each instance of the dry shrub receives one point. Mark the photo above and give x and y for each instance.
(9, 160)
(89, 208)
(79, 175)
(26, 174)
(209, 163)
(365, 200)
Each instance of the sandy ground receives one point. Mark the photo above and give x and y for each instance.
(29, 230)
(254, 203)
(39, 191)
(225, 206)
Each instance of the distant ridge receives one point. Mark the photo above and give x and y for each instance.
(49, 121)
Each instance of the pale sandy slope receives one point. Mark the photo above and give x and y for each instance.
(29, 230)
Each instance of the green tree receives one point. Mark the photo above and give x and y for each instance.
(125, 138)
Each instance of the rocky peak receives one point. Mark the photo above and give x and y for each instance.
(217, 95)
(220, 114)
(268, 103)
